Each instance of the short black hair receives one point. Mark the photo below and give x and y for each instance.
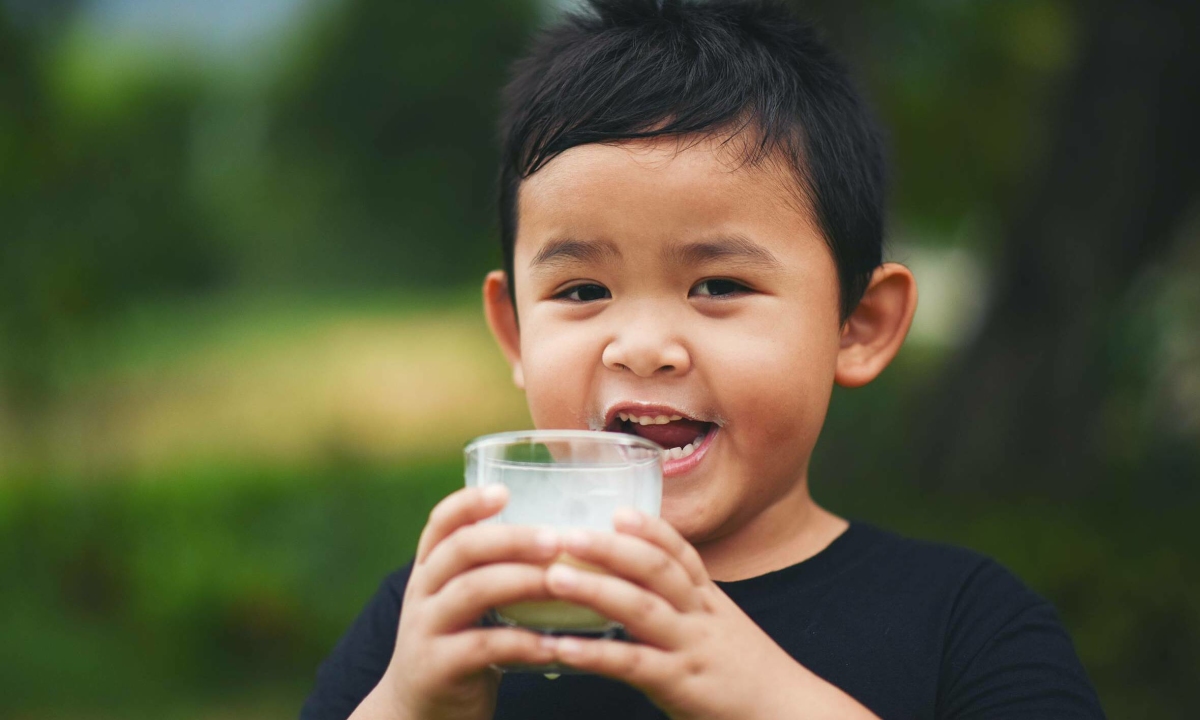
(627, 69)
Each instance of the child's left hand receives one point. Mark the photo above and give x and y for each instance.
(697, 654)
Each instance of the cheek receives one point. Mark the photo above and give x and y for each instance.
(558, 369)
(775, 390)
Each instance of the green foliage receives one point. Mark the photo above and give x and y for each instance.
(140, 596)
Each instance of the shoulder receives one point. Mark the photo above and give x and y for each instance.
(975, 595)
(968, 576)
(1003, 647)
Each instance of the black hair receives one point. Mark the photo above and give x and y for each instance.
(628, 69)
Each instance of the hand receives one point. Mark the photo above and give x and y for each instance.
(697, 654)
(442, 664)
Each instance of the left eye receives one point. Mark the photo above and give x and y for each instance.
(718, 288)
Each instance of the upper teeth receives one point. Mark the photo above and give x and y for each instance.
(682, 452)
(649, 419)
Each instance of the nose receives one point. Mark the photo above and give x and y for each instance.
(647, 347)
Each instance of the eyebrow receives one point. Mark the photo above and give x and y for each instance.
(569, 250)
(733, 247)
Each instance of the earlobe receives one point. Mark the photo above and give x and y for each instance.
(874, 332)
(502, 319)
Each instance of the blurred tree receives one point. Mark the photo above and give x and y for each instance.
(97, 214)
(385, 134)
(1029, 404)
(370, 163)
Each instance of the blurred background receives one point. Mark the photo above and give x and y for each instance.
(241, 346)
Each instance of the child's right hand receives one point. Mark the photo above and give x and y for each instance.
(441, 667)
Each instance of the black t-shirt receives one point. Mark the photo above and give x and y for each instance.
(910, 629)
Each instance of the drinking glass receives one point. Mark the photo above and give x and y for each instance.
(565, 479)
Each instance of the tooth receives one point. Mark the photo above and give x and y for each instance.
(623, 416)
(669, 453)
(676, 417)
(661, 420)
(645, 420)
(687, 450)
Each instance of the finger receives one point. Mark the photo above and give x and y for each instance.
(659, 532)
(459, 508)
(472, 650)
(636, 560)
(639, 665)
(474, 545)
(466, 597)
(645, 615)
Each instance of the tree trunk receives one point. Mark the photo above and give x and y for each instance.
(1023, 406)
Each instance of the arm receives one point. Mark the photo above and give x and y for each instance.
(1008, 656)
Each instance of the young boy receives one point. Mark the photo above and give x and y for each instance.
(691, 216)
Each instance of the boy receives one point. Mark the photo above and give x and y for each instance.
(691, 211)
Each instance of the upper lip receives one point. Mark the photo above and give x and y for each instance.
(645, 409)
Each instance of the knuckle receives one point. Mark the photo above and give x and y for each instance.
(631, 662)
(661, 564)
(693, 666)
(648, 605)
(498, 643)
(465, 585)
(515, 540)
(481, 644)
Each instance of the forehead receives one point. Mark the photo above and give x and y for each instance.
(666, 188)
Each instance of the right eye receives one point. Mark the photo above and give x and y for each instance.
(586, 292)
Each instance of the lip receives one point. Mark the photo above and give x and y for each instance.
(671, 467)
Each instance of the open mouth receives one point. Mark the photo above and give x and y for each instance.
(680, 436)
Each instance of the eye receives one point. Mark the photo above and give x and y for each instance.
(587, 292)
(718, 287)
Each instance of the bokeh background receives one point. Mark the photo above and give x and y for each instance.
(241, 346)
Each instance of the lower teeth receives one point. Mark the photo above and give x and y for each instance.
(678, 453)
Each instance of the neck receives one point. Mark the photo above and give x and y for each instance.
(790, 530)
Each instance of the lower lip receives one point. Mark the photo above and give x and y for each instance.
(680, 466)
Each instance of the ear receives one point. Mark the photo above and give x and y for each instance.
(502, 319)
(873, 333)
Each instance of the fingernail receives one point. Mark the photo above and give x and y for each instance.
(494, 493)
(569, 646)
(628, 517)
(562, 576)
(577, 540)
(546, 540)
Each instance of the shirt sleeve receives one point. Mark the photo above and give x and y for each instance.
(360, 657)
(1007, 655)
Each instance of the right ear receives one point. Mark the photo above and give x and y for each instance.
(502, 319)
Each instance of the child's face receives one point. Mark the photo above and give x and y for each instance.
(653, 280)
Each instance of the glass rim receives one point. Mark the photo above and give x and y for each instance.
(602, 436)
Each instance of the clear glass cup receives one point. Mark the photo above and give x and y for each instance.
(565, 479)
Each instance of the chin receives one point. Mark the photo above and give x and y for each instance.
(690, 518)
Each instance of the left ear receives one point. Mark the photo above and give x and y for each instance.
(873, 333)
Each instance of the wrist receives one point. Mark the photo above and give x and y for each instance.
(812, 697)
(383, 703)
